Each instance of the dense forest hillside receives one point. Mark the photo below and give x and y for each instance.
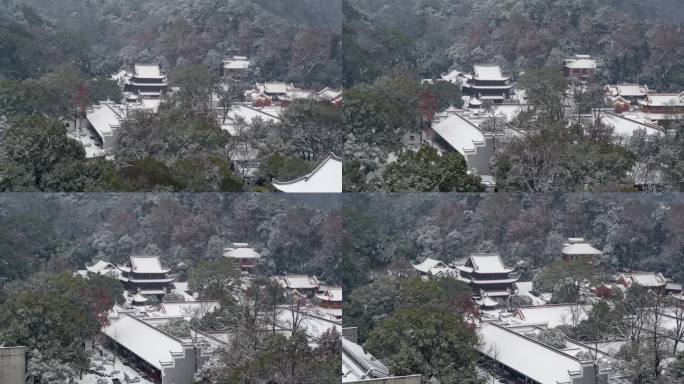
(57, 60)
(387, 231)
(633, 40)
(60, 233)
(101, 36)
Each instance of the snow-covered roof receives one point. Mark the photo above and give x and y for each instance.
(240, 252)
(580, 62)
(626, 124)
(329, 94)
(462, 135)
(628, 90)
(673, 287)
(330, 294)
(456, 77)
(539, 362)
(580, 248)
(326, 178)
(105, 118)
(237, 62)
(299, 281)
(102, 267)
(249, 114)
(277, 88)
(121, 75)
(145, 341)
(663, 100)
(148, 71)
(357, 364)
(488, 263)
(146, 264)
(488, 72)
(645, 279)
(428, 264)
(188, 309)
(550, 315)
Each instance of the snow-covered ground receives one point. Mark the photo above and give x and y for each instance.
(110, 368)
(488, 377)
(91, 148)
(525, 288)
(182, 289)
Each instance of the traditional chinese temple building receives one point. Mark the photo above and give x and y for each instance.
(488, 83)
(330, 297)
(147, 81)
(489, 278)
(146, 276)
(576, 248)
(581, 67)
(236, 67)
(244, 257)
(651, 280)
(663, 107)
